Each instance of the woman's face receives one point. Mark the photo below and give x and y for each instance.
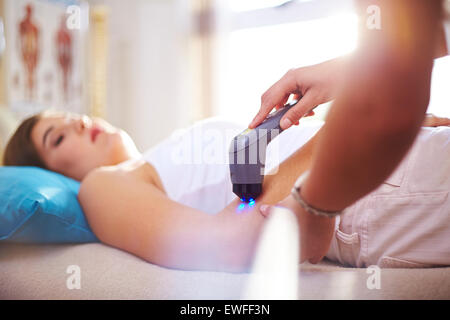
(74, 144)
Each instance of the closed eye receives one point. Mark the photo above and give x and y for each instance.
(59, 140)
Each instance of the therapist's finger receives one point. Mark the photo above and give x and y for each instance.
(266, 108)
(282, 102)
(309, 114)
(265, 210)
(276, 96)
(303, 107)
(442, 122)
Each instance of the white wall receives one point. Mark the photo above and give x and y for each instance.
(148, 87)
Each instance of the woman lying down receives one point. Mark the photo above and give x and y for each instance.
(173, 205)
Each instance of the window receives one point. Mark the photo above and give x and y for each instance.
(440, 95)
(261, 44)
(256, 41)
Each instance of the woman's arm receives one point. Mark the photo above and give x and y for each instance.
(126, 210)
(130, 213)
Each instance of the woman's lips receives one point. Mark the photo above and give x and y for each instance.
(95, 132)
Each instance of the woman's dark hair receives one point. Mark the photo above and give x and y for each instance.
(20, 150)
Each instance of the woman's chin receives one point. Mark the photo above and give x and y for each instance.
(122, 147)
(129, 144)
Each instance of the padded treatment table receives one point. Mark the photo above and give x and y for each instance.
(40, 272)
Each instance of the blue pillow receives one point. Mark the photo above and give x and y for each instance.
(40, 206)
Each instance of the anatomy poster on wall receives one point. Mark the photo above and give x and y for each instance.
(46, 53)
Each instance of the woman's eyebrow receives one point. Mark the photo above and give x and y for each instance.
(46, 134)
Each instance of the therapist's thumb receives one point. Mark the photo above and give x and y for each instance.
(265, 209)
(301, 109)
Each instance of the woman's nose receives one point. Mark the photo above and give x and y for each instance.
(80, 125)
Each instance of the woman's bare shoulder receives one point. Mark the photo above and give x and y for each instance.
(114, 181)
(137, 169)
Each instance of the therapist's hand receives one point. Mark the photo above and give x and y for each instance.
(316, 232)
(314, 84)
(434, 121)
